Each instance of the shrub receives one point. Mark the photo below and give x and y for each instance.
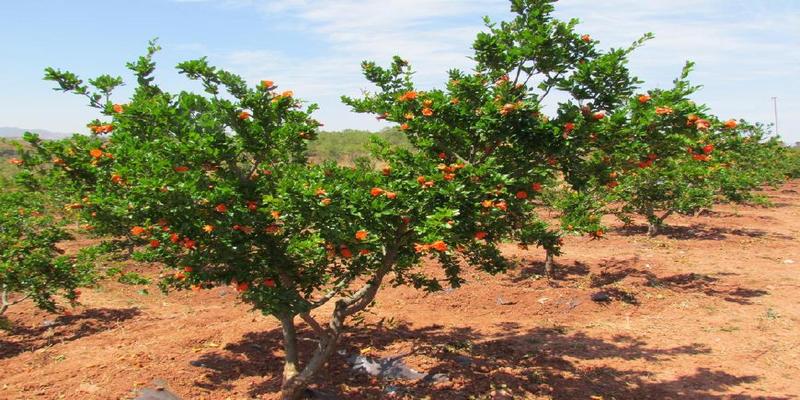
(31, 266)
(218, 187)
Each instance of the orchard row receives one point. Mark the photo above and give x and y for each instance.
(218, 187)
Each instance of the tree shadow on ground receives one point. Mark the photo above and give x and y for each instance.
(561, 271)
(699, 232)
(521, 362)
(64, 328)
(608, 276)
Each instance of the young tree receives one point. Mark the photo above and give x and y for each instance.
(750, 159)
(31, 266)
(497, 114)
(217, 186)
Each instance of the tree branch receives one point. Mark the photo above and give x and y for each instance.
(318, 329)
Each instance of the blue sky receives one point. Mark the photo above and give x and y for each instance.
(746, 51)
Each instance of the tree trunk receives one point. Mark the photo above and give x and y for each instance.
(652, 229)
(295, 380)
(548, 264)
(291, 358)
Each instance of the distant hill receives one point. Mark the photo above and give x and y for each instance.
(13, 132)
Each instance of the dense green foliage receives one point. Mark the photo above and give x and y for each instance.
(31, 265)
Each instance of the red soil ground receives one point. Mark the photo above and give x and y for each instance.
(708, 310)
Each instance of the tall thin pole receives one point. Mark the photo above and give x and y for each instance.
(775, 107)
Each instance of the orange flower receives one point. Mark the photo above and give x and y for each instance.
(189, 244)
(702, 124)
(480, 235)
(98, 129)
(599, 233)
(58, 161)
(707, 149)
(439, 246)
(487, 204)
(345, 252)
(537, 187)
(568, 127)
(275, 214)
(599, 115)
(421, 180)
(386, 171)
(266, 84)
(427, 103)
(252, 205)
(361, 235)
(96, 153)
(320, 192)
(181, 168)
(244, 115)
(391, 195)
(663, 110)
(408, 116)
(375, 192)
(269, 283)
(644, 98)
(408, 96)
(427, 112)
(522, 195)
(449, 177)
(404, 127)
(117, 108)
(691, 119)
(454, 101)
(363, 252)
(138, 231)
(502, 205)
(421, 248)
(155, 244)
(242, 287)
(586, 38)
(174, 238)
(208, 228)
(116, 178)
(612, 184)
(326, 201)
(247, 230)
(221, 208)
(731, 123)
(287, 93)
(507, 109)
(179, 276)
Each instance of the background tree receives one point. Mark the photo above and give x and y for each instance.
(669, 155)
